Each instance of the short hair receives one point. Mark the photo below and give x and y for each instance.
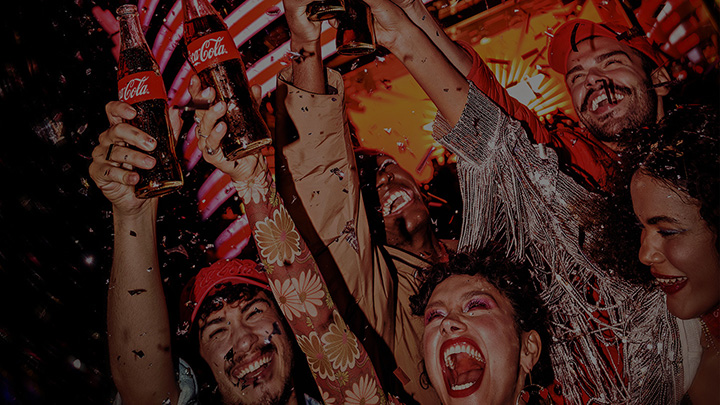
(682, 151)
(512, 279)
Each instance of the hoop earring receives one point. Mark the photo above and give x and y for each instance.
(533, 394)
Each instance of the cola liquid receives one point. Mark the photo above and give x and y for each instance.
(355, 31)
(320, 10)
(140, 84)
(217, 63)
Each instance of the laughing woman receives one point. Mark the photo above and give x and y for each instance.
(486, 337)
(674, 194)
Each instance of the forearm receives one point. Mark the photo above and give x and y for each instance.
(296, 281)
(444, 84)
(138, 324)
(307, 65)
(421, 17)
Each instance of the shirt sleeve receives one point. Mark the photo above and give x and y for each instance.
(486, 82)
(324, 173)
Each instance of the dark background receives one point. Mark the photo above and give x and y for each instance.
(55, 226)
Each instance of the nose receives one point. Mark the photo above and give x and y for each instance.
(452, 324)
(649, 252)
(243, 338)
(594, 78)
(384, 177)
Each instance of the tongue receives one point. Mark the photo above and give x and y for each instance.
(466, 369)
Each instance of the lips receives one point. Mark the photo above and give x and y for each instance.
(670, 284)
(249, 372)
(463, 366)
(601, 102)
(395, 201)
(597, 101)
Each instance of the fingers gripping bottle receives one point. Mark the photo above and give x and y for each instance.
(140, 84)
(214, 57)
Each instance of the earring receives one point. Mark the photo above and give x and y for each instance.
(531, 394)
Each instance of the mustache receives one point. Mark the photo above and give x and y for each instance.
(610, 88)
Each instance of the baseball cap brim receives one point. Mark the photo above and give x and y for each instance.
(220, 274)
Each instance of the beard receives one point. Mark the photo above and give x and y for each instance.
(611, 128)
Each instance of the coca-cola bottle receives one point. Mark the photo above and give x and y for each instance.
(214, 57)
(140, 84)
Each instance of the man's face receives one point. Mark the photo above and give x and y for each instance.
(610, 90)
(401, 202)
(249, 351)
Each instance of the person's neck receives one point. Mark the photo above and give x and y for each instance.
(426, 245)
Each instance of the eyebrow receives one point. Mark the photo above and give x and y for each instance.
(662, 218)
(598, 59)
(244, 308)
(464, 297)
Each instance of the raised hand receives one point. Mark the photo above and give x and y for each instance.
(210, 132)
(302, 30)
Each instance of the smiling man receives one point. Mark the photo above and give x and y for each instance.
(614, 76)
(240, 334)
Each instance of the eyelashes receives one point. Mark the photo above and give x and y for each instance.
(432, 315)
(475, 304)
(478, 303)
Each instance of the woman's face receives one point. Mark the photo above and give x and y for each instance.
(471, 345)
(678, 246)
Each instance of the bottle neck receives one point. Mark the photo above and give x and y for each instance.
(197, 8)
(131, 34)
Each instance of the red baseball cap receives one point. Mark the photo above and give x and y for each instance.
(209, 279)
(572, 32)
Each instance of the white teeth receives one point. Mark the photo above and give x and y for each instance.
(390, 200)
(254, 366)
(463, 386)
(671, 281)
(602, 97)
(461, 348)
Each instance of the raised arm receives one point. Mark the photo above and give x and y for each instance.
(138, 323)
(339, 362)
(444, 84)
(421, 17)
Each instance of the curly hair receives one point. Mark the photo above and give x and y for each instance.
(682, 152)
(511, 279)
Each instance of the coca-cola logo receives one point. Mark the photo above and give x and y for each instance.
(134, 88)
(210, 49)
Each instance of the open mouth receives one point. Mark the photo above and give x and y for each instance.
(670, 284)
(463, 366)
(250, 373)
(603, 103)
(395, 201)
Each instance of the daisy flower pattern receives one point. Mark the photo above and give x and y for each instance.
(277, 239)
(287, 298)
(252, 190)
(341, 344)
(310, 291)
(327, 398)
(316, 357)
(363, 392)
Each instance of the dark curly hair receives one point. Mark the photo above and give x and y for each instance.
(512, 279)
(683, 153)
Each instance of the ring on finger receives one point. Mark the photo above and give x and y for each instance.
(197, 119)
(110, 148)
(210, 151)
(200, 134)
